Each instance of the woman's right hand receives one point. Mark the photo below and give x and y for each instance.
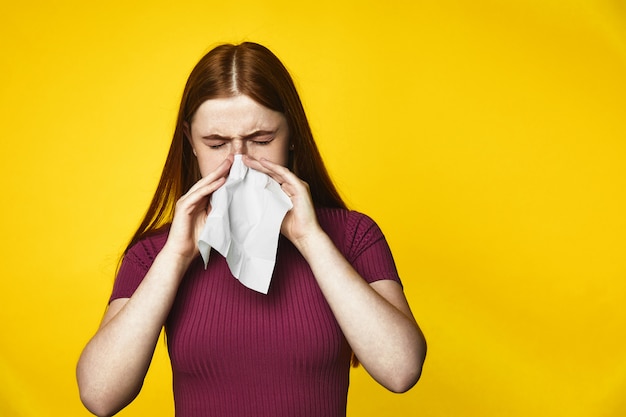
(113, 365)
(192, 210)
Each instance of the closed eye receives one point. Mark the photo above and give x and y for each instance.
(216, 145)
(261, 138)
(263, 141)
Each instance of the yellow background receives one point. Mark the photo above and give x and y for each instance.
(487, 138)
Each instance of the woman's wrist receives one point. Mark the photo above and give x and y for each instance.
(309, 244)
(175, 258)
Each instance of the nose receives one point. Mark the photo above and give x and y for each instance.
(239, 146)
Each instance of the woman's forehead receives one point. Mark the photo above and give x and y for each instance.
(239, 114)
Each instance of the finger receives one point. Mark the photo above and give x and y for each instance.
(198, 199)
(255, 164)
(204, 190)
(221, 171)
(207, 185)
(277, 172)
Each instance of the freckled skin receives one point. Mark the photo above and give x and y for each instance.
(237, 125)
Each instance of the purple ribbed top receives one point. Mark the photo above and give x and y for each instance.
(239, 353)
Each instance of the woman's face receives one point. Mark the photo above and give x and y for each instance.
(237, 125)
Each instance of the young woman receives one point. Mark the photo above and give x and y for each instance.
(335, 292)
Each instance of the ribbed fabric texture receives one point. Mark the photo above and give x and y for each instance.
(236, 352)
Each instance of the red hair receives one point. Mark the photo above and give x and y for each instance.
(228, 70)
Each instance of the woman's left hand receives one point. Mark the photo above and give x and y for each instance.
(300, 222)
(375, 318)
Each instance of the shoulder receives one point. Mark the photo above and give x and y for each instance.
(349, 229)
(362, 243)
(338, 217)
(136, 262)
(345, 220)
(147, 248)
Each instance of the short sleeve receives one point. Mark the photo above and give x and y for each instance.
(368, 250)
(135, 265)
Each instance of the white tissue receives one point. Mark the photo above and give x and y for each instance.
(244, 225)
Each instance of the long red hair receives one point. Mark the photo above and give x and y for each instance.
(226, 71)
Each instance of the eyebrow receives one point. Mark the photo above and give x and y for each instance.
(246, 137)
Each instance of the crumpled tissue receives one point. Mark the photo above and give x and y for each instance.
(244, 225)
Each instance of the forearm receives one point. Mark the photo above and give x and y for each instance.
(381, 331)
(114, 363)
